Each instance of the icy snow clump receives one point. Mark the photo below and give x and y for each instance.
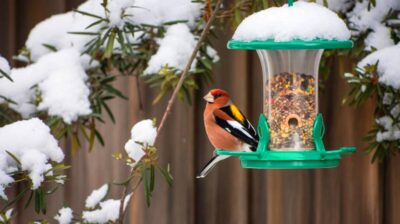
(304, 21)
(32, 143)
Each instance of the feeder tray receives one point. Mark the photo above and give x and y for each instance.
(264, 158)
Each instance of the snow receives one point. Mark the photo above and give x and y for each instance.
(337, 5)
(143, 132)
(388, 66)
(157, 12)
(305, 21)
(7, 215)
(51, 31)
(387, 98)
(361, 20)
(4, 66)
(60, 78)
(117, 10)
(35, 152)
(175, 49)
(391, 131)
(64, 216)
(96, 196)
(55, 30)
(5, 180)
(108, 211)
(379, 38)
(213, 54)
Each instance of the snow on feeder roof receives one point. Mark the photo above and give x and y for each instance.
(299, 25)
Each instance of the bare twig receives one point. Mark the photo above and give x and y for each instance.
(187, 68)
(122, 211)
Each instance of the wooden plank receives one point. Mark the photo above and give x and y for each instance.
(391, 191)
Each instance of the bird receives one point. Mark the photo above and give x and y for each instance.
(226, 127)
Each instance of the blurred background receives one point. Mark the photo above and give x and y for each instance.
(355, 192)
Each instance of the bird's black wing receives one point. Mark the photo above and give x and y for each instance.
(233, 121)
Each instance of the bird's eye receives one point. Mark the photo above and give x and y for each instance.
(218, 95)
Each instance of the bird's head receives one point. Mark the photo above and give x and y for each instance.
(217, 96)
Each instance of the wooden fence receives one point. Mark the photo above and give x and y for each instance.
(356, 192)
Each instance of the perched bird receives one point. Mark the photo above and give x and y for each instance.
(226, 127)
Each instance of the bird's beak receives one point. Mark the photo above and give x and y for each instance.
(209, 98)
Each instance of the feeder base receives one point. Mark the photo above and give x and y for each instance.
(263, 158)
(289, 160)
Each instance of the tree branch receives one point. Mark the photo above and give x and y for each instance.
(187, 68)
(172, 99)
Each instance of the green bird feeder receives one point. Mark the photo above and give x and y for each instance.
(289, 41)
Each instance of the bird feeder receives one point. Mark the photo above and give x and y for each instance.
(290, 128)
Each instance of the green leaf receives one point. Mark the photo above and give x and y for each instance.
(110, 44)
(14, 157)
(17, 198)
(6, 75)
(147, 192)
(108, 110)
(114, 91)
(94, 23)
(50, 47)
(29, 200)
(152, 178)
(90, 14)
(166, 174)
(37, 201)
(99, 137)
(92, 137)
(85, 33)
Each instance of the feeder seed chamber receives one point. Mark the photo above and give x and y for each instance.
(291, 129)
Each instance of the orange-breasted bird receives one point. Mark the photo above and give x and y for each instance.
(226, 127)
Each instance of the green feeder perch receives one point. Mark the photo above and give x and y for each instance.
(291, 129)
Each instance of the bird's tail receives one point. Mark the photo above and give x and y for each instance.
(211, 164)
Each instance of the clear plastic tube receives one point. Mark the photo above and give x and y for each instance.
(290, 96)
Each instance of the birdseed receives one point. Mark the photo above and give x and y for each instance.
(292, 100)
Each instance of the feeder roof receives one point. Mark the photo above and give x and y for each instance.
(304, 25)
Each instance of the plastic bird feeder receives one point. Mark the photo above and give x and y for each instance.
(291, 129)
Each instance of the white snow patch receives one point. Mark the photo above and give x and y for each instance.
(337, 5)
(60, 79)
(108, 211)
(361, 18)
(213, 54)
(64, 216)
(143, 132)
(387, 98)
(32, 143)
(157, 12)
(7, 215)
(305, 21)
(388, 66)
(379, 38)
(175, 49)
(4, 66)
(51, 31)
(55, 30)
(96, 196)
(391, 131)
